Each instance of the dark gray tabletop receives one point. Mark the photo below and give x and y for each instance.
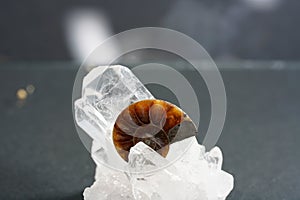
(42, 157)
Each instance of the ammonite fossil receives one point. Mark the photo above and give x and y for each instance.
(157, 123)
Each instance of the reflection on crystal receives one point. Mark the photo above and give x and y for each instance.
(195, 175)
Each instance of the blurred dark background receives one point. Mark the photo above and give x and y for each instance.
(232, 29)
(41, 155)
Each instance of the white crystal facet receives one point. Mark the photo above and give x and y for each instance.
(143, 159)
(109, 185)
(204, 169)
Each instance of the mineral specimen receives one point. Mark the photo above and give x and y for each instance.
(149, 173)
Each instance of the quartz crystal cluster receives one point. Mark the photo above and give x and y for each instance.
(197, 175)
(106, 91)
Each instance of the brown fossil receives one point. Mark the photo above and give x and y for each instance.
(157, 123)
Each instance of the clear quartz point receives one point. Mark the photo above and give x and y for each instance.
(106, 91)
(196, 175)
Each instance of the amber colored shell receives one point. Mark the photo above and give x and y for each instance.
(154, 122)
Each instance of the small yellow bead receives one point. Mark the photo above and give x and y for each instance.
(21, 94)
